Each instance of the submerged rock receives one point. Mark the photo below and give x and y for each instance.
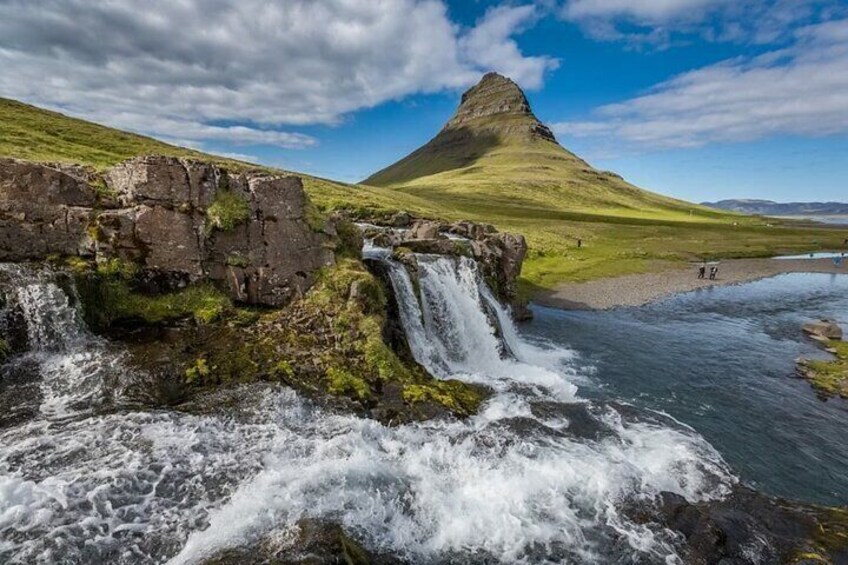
(823, 330)
(310, 542)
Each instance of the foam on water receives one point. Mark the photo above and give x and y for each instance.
(522, 481)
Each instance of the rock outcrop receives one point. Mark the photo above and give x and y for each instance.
(179, 220)
(499, 255)
(497, 95)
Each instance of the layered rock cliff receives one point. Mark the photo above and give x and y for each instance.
(180, 221)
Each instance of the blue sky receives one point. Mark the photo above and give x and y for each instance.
(700, 99)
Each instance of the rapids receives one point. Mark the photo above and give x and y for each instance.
(539, 475)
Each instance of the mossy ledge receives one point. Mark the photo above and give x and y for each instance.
(828, 378)
(328, 344)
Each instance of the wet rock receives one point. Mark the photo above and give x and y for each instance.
(310, 542)
(424, 229)
(823, 330)
(745, 527)
(436, 246)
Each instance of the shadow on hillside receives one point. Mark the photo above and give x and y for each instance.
(450, 149)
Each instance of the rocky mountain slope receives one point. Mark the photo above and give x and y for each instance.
(772, 208)
(495, 146)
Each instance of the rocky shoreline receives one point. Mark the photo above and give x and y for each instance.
(640, 289)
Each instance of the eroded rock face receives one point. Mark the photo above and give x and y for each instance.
(43, 211)
(155, 211)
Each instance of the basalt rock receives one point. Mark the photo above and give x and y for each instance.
(43, 211)
(177, 219)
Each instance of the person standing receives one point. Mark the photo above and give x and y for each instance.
(702, 270)
(713, 272)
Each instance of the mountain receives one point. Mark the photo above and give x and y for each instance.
(494, 147)
(771, 208)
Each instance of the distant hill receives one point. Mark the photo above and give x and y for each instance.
(771, 208)
(494, 149)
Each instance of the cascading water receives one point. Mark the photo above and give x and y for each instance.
(539, 475)
(70, 361)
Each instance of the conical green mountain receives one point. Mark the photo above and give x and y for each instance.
(495, 150)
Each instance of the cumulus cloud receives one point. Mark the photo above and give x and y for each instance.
(801, 90)
(659, 22)
(244, 70)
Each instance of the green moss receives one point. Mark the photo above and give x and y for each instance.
(227, 211)
(108, 299)
(830, 378)
(237, 260)
(340, 328)
(316, 220)
(455, 395)
(102, 190)
(829, 537)
(349, 240)
(282, 370)
(343, 382)
(197, 372)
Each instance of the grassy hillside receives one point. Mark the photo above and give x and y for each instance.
(517, 185)
(35, 134)
(495, 162)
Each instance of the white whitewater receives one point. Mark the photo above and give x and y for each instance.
(522, 481)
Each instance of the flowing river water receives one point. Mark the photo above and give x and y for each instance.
(543, 473)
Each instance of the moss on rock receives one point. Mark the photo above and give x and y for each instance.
(227, 211)
(829, 378)
(108, 296)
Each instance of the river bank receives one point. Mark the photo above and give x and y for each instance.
(643, 288)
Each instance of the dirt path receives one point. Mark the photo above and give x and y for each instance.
(635, 290)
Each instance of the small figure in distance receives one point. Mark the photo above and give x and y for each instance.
(713, 272)
(702, 270)
(579, 243)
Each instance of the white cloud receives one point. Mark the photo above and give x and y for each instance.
(660, 22)
(800, 90)
(489, 44)
(642, 10)
(240, 70)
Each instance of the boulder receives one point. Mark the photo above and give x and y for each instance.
(424, 229)
(823, 330)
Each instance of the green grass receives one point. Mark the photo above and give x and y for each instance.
(830, 378)
(492, 174)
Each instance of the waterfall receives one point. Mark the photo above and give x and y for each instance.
(452, 335)
(71, 362)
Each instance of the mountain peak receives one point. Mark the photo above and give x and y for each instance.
(496, 96)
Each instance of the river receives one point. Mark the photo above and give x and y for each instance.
(590, 413)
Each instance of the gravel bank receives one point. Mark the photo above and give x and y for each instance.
(635, 290)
